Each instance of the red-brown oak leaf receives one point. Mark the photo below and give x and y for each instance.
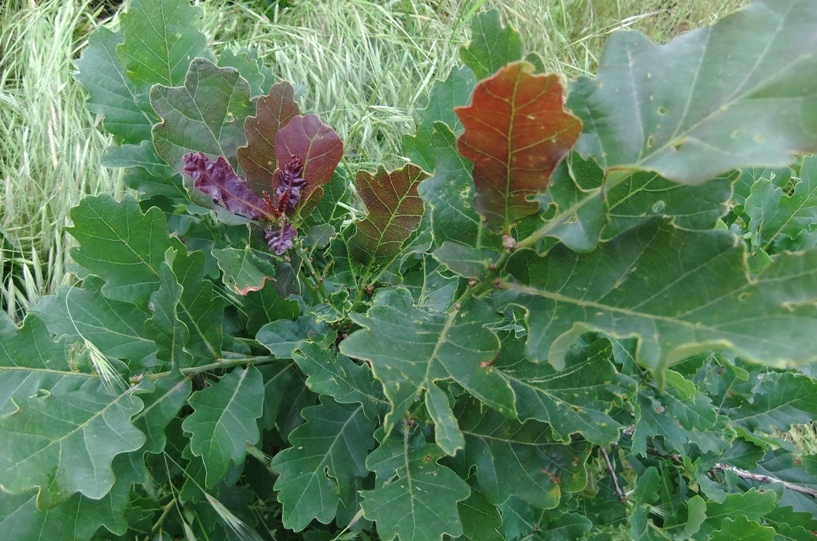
(272, 113)
(317, 146)
(516, 132)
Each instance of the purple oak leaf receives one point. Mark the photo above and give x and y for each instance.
(219, 181)
(280, 240)
(290, 182)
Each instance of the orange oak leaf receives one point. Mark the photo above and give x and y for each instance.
(516, 132)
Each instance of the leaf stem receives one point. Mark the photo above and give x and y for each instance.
(165, 510)
(314, 275)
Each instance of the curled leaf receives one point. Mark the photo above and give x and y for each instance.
(280, 240)
(290, 182)
(219, 181)
(516, 133)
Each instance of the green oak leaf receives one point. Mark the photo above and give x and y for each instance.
(480, 519)
(224, 421)
(519, 459)
(565, 527)
(297, 396)
(330, 209)
(712, 100)
(447, 433)
(328, 451)
(464, 260)
(319, 236)
(750, 175)
(448, 195)
(123, 103)
(492, 45)
(202, 309)
(695, 516)
(360, 277)
(791, 525)
(431, 286)
(743, 453)
(520, 520)
(138, 178)
(248, 67)
(21, 520)
(283, 336)
(753, 505)
(162, 402)
(646, 492)
(30, 361)
(680, 422)
(339, 377)
(576, 399)
(160, 40)
(778, 219)
(143, 155)
(454, 91)
(588, 212)
(786, 466)
(646, 195)
(414, 496)
(779, 401)
(65, 443)
(409, 349)
(168, 331)
(580, 210)
(394, 211)
(243, 270)
(742, 529)
(122, 245)
(265, 305)
(679, 292)
(205, 115)
(277, 379)
(116, 328)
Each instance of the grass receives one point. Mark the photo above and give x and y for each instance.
(49, 144)
(363, 65)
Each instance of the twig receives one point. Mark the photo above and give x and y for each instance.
(761, 478)
(620, 493)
